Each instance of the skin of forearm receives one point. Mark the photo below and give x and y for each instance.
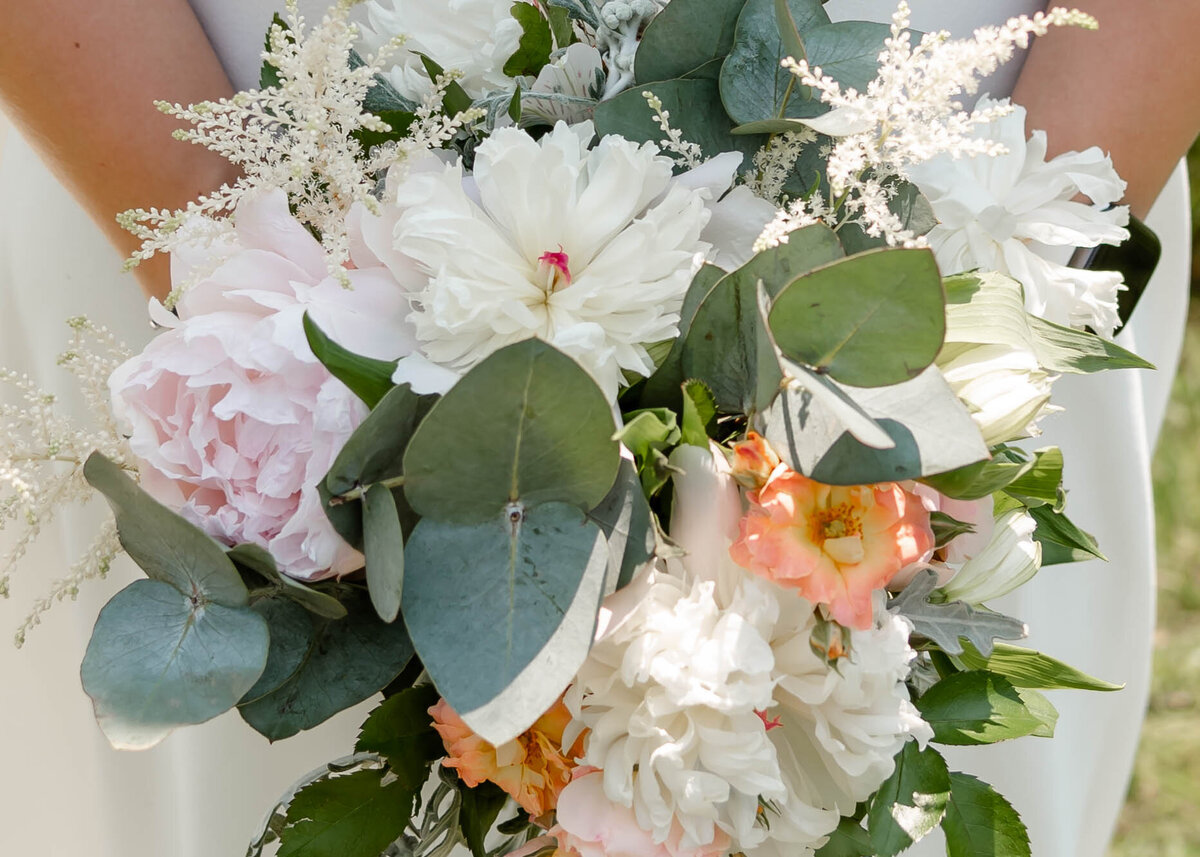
(79, 78)
(1132, 87)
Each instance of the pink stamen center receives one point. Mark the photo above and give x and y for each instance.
(773, 723)
(560, 262)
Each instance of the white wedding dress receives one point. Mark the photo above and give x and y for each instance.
(202, 792)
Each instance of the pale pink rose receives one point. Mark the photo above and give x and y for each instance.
(834, 544)
(533, 768)
(945, 562)
(232, 418)
(590, 825)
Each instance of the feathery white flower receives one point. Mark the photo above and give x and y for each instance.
(589, 250)
(1012, 212)
(1011, 558)
(473, 37)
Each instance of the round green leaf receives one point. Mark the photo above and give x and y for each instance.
(344, 662)
(291, 633)
(527, 424)
(260, 561)
(159, 659)
(164, 545)
(502, 613)
(684, 36)
(870, 320)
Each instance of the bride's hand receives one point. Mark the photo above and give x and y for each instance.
(1133, 88)
(79, 78)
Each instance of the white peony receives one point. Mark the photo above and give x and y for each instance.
(591, 250)
(474, 37)
(708, 708)
(1014, 213)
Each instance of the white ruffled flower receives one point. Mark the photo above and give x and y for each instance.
(1011, 558)
(1005, 389)
(708, 708)
(589, 250)
(473, 37)
(1014, 213)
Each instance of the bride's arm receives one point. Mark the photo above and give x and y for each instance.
(1133, 87)
(78, 77)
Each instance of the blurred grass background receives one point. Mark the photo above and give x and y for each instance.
(1162, 815)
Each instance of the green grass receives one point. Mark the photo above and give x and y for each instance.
(1162, 815)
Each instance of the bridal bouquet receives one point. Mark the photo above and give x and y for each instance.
(628, 391)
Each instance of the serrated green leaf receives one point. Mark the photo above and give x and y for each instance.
(684, 37)
(163, 544)
(383, 545)
(910, 803)
(949, 624)
(979, 707)
(480, 807)
(528, 585)
(848, 840)
(346, 661)
(870, 320)
(401, 730)
(547, 438)
(367, 378)
(560, 26)
(356, 815)
(980, 823)
(536, 44)
(649, 434)
(159, 659)
(1032, 669)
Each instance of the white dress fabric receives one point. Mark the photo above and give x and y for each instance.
(203, 791)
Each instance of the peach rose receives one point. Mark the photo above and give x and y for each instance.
(532, 768)
(834, 544)
(590, 825)
(753, 461)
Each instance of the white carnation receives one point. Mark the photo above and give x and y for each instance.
(473, 37)
(591, 250)
(1014, 213)
(708, 707)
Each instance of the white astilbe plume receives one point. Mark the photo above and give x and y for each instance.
(774, 162)
(684, 152)
(298, 136)
(42, 454)
(911, 111)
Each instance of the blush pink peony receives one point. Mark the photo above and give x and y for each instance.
(590, 825)
(232, 418)
(834, 544)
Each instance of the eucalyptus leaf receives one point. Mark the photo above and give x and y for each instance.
(1028, 668)
(383, 540)
(164, 545)
(907, 203)
(911, 802)
(928, 431)
(979, 707)
(546, 437)
(870, 320)
(355, 815)
(806, 250)
(685, 36)
(291, 632)
(980, 823)
(627, 521)
(754, 86)
(847, 51)
(696, 112)
(401, 731)
(528, 585)
(662, 388)
(260, 561)
(159, 659)
(346, 661)
(946, 624)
